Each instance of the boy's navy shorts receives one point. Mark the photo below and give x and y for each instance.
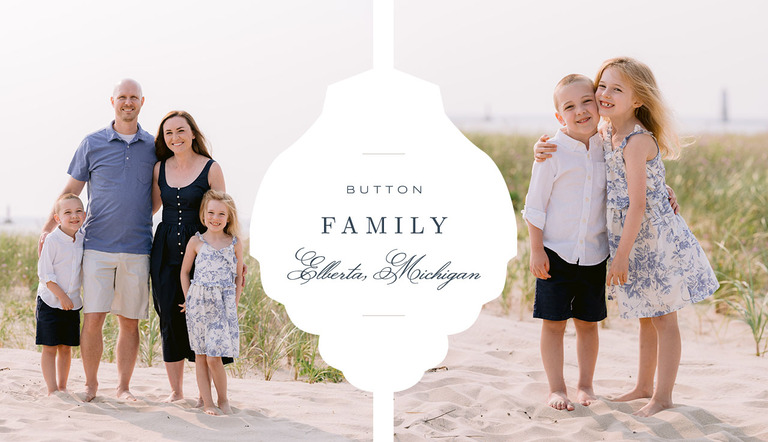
(56, 326)
(572, 291)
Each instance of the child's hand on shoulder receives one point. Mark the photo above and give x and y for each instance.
(542, 149)
(603, 131)
(539, 263)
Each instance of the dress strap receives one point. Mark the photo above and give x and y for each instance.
(200, 237)
(204, 174)
(161, 182)
(640, 130)
(202, 177)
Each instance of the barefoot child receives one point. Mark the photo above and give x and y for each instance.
(657, 265)
(212, 296)
(58, 294)
(565, 213)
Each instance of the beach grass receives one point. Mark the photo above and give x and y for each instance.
(18, 261)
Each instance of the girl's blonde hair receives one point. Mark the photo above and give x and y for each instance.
(233, 226)
(654, 113)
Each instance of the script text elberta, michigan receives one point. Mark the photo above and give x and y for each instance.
(397, 265)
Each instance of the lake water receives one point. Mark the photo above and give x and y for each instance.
(21, 225)
(541, 124)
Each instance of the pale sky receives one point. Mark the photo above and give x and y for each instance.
(254, 74)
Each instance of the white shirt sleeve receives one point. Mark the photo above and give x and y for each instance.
(45, 271)
(536, 201)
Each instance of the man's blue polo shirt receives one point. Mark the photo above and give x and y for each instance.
(119, 177)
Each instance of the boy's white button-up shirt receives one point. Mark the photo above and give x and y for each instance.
(61, 261)
(566, 200)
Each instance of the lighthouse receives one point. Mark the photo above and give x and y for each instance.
(724, 109)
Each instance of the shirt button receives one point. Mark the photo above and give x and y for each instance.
(179, 211)
(127, 158)
(179, 223)
(179, 243)
(178, 204)
(177, 196)
(178, 233)
(182, 253)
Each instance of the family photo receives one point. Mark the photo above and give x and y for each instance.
(631, 142)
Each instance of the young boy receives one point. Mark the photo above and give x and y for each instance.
(58, 293)
(565, 213)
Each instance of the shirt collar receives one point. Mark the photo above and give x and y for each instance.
(561, 139)
(61, 236)
(142, 134)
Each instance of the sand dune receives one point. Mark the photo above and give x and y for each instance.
(494, 389)
(491, 387)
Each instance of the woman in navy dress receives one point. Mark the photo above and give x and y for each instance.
(183, 173)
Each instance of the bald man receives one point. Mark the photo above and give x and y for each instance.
(117, 163)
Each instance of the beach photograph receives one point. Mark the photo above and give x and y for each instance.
(201, 99)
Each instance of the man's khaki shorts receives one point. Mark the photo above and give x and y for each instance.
(116, 283)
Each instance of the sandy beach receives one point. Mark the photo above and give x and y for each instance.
(494, 387)
(490, 387)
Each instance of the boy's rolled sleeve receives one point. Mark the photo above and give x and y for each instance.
(45, 270)
(535, 217)
(539, 191)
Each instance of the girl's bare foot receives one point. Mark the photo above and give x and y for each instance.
(653, 407)
(559, 401)
(61, 393)
(585, 396)
(90, 394)
(125, 395)
(174, 396)
(225, 408)
(211, 410)
(637, 393)
(199, 403)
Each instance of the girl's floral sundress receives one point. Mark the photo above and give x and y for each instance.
(667, 267)
(211, 307)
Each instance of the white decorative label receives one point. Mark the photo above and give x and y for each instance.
(383, 230)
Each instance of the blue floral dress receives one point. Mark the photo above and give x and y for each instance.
(211, 306)
(667, 267)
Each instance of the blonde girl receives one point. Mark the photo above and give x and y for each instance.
(211, 298)
(657, 267)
